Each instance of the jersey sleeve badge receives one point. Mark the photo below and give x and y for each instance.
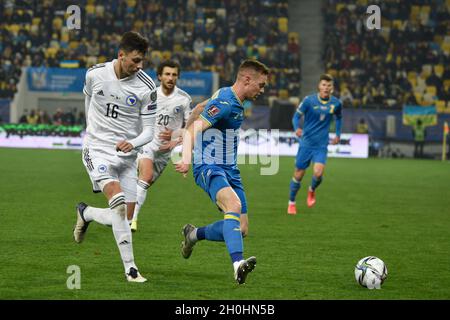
(213, 110)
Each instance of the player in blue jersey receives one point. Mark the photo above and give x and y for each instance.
(318, 110)
(215, 135)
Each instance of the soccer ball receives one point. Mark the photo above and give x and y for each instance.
(370, 272)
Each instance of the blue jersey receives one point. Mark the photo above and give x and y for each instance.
(225, 113)
(318, 114)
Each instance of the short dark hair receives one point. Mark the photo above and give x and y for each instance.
(170, 64)
(132, 40)
(326, 77)
(254, 65)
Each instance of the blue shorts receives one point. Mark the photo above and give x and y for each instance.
(306, 154)
(212, 178)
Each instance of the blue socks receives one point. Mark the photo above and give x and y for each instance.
(294, 187)
(212, 232)
(233, 236)
(315, 182)
(228, 230)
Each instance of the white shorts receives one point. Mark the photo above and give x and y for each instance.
(159, 159)
(104, 164)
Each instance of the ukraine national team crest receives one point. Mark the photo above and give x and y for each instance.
(132, 100)
(213, 110)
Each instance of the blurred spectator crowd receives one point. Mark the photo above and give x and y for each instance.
(407, 61)
(60, 117)
(203, 35)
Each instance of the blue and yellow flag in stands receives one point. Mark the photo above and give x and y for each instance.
(69, 64)
(427, 115)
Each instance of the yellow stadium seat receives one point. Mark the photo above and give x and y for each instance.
(65, 37)
(385, 33)
(131, 3)
(438, 39)
(332, 72)
(91, 2)
(51, 52)
(413, 82)
(397, 24)
(447, 83)
(415, 9)
(166, 55)
(425, 9)
(138, 24)
(340, 6)
(446, 48)
(294, 35)
(389, 57)
(431, 90)
(73, 44)
(262, 50)
(283, 24)
(362, 2)
(13, 28)
(412, 75)
(90, 9)
(177, 48)
(102, 59)
(440, 106)
(156, 55)
(439, 70)
(283, 93)
(240, 42)
(418, 97)
(385, 23)
(57, 23)
(426, 70)
(36, 21)
(413, 17)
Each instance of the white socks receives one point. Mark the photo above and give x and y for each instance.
(100, 215)
(142, 188)
(121, 230)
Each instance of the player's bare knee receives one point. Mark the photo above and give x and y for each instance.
(234, 206)
(318, 173)
(298, 174)
(146, 177)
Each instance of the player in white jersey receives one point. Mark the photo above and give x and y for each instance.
(120, 99)
(174, 107)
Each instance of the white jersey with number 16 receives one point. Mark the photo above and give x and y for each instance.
(116, 105)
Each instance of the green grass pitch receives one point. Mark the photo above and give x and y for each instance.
(398, 210)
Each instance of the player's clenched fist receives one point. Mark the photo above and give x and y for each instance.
(124, 146)
(182, 167)
(298, 132)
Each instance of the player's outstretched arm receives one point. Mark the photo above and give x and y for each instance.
(188, 144)
(196, 112)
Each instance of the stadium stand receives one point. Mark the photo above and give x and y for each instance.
(202, 35)
(408, 62)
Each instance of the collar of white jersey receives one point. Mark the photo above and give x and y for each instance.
(161, 93)
(113, 62)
